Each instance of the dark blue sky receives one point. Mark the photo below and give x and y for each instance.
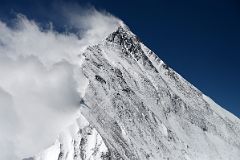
(199, 39)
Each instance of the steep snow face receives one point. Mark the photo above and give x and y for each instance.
(78, 142)
(137, 108)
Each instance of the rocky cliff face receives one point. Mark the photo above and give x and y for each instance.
(135, 107)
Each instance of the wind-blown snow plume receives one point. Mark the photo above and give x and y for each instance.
(38, 93)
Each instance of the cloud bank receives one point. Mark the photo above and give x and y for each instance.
(39, 88)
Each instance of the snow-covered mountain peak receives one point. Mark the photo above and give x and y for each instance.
(135, 107)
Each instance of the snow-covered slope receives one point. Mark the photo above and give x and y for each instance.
(134, 107)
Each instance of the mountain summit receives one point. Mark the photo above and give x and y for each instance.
(134, 107)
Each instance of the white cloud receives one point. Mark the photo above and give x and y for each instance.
(38, 89)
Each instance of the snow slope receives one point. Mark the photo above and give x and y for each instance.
(134, 107)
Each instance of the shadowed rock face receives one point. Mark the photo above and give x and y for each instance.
(139, 108)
